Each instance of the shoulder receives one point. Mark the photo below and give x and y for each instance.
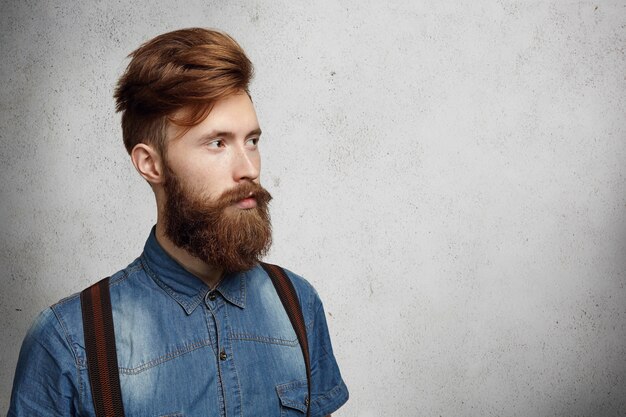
(308, 296)
(45, 326)
(66, 314)
(301, 284)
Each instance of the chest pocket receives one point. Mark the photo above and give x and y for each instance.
(273, 340)
(293, 398)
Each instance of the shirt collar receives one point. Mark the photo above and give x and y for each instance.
(184, 287)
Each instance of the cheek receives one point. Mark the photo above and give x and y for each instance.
(208, 181)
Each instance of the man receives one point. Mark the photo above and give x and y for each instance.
(199, 327)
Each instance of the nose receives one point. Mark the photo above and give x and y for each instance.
(246, 165)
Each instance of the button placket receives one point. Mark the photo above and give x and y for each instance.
(229, 385)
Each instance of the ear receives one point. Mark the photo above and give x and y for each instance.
(148, 163)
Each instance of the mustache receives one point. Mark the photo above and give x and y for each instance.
(244, 190)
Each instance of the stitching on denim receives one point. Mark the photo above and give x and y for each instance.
(219, 387)
(232, 353)
(206, 312)
(81, 399)
(282, 390)
(190, 306)
(70, 343)
(328, 395)
(294, 404)
(239, 299)
(263, 339)
(234, 362)
(68, 338)
(220, 384)
(218, 334)
(164, 358)
(125, 274)
(289, 385)
(242, 289)
(162, 285)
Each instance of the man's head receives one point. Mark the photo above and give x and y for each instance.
(192, 132)
(187, 68)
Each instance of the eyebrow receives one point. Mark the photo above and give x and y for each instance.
(217, 133)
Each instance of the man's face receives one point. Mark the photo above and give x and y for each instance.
(215, 207)
(219, 153)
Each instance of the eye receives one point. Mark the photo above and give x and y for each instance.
(217, 143)
(253, 141)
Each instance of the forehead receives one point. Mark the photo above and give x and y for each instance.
(234, 114)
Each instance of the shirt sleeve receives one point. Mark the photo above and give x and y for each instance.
(328, 391)
(46, 372)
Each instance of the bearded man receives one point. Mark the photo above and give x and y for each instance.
(199, 328)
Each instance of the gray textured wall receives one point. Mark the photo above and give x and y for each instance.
(451, 176)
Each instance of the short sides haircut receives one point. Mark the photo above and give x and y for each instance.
(186, 69)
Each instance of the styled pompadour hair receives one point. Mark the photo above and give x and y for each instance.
(187, 69)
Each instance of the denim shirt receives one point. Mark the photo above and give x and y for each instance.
(184, 350)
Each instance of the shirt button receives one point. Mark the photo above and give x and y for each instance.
(223, 355)
(212, 296)
(306, 401)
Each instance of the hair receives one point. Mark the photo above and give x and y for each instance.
(188, 69)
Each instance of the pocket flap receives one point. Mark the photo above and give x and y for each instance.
(294, 394)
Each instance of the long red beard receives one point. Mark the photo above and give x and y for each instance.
(216, 231)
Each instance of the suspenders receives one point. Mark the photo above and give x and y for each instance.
(100, 346)
(100, 340)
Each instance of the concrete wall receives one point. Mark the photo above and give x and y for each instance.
(451, 176)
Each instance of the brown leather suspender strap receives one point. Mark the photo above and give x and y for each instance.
(100, 340)
(289, 297)
(100, 346)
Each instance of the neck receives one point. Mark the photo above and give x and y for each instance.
(209, 274)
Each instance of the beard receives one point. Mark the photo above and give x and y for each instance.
(214, 230)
